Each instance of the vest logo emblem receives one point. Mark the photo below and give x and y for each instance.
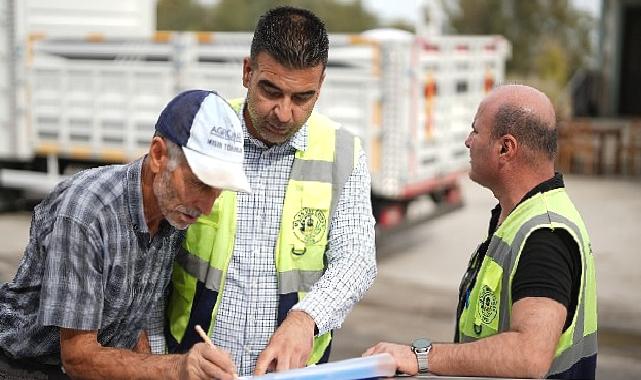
(488, 306)
(310, 225)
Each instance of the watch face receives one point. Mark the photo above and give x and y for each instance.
(421, 343)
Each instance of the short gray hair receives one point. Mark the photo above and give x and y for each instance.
(175, 152)
(527, 128)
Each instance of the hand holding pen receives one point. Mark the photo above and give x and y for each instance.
(206, 361)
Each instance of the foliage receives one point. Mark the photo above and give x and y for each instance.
(180, 15)
(550, 38)
(241, 15)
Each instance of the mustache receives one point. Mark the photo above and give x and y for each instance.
(277, 124)
(188, 211)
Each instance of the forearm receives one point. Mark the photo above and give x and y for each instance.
(113, 363)
(502, 355)
(84, 358)
(525, 351)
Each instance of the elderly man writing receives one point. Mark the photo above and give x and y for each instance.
(101, 249)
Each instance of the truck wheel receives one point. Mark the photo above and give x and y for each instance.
(389, 213)
(450, 195)
(437, 196)
(453, 195)
(10, 200)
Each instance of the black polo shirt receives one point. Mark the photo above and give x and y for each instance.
(549, 266)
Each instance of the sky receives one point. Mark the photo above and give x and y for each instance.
(389, 10)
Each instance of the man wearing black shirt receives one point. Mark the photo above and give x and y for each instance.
(550, 264)
(527, 302)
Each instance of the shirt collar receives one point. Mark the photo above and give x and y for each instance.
(133, 185)
(298, 141)
(553, 183)
(556, 182)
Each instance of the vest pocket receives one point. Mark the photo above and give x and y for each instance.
(308, 257)
(481, 315)
(489, 298)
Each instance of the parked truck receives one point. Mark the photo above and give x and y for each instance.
(92, 98)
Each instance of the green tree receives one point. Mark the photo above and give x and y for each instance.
(180, 15)
(340, 16)
(550, 38)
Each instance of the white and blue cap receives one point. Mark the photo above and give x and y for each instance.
(211, 136)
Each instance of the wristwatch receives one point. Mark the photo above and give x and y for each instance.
(421, 347)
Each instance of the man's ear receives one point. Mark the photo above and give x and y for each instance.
(509, 146)
(157, 154)
(247, 71)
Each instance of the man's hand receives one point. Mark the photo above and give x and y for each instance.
(84, 358)
(290, 346)
(205, 361)
(403, 356)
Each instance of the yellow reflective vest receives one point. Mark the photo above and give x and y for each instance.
(488, 308)
(317, 178)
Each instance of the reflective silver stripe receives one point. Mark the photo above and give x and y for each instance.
(558, 218)
(343, 165)
(543, 219)
(297, 281)
(311, 170)
(500, 252)
(505, 255)
(583, 348)
(200, 269)
(336, 172)
(580, 321)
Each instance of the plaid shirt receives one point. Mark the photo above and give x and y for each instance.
(89, 265)
(246, 317)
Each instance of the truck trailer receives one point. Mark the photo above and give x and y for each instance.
(77, 98)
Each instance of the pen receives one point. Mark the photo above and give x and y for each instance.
(204, 336)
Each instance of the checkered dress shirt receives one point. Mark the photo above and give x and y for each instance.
(246, 317)
(89, 265)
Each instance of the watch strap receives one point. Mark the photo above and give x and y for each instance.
(421, 358)
(421, 348)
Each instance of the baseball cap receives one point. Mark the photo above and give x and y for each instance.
(211, 136)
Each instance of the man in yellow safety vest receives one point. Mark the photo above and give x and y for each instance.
(269, 274)
(527, 303)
